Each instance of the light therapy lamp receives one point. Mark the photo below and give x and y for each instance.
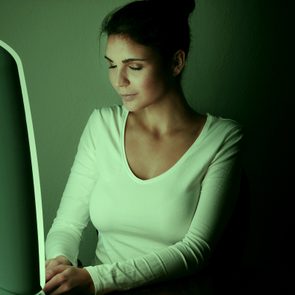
(22, 254)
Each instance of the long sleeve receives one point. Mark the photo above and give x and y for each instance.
(148, 230)
(73, 213)
(216, 201)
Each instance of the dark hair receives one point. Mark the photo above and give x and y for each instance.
(163, 26)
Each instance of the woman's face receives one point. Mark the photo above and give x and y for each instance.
(136, 72)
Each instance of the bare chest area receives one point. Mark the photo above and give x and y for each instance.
(149, 156)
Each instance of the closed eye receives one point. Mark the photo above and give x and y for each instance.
(130, 67)
(135, 68)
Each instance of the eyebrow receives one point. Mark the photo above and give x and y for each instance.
(127, 59)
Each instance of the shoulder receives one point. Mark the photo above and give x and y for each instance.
(222, 134)
(106, 122)
(107, 116)
(224, 127)
(108, 113)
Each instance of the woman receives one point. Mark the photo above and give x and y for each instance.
(157, 179)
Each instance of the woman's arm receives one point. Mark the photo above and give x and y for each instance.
(63, 239)
(217, 199)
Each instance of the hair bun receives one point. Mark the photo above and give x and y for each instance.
(184, 7)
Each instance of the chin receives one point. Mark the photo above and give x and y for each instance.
(136, 106)
(131, 107)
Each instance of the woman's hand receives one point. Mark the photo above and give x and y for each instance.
(62, 278)
(52, 263)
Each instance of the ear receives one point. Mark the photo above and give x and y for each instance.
(178, 62)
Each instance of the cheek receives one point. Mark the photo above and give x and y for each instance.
(154, 83)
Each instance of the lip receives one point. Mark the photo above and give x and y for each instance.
(128, 96)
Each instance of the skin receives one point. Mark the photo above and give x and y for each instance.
(63, 278)
(160, 128)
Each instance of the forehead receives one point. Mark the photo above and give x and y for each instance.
(121, 47)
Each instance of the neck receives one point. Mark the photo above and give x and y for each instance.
(167, 115)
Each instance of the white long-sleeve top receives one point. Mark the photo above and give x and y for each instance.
(151, 229)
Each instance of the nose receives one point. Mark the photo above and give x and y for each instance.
(121, 79)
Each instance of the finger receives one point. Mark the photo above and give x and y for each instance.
(51, 264)
(56, 261)
(55, 282)
(63, 289)
(53, 271)
(66, 288)
(50, 272)
(47, 262)
(49, 275)
(61, 283)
